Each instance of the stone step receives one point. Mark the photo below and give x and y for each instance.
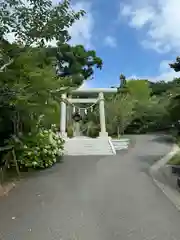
(89, 146)
(121, 140)
(120, 144)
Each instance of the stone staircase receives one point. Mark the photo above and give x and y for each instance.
(120, 144)
(88, 146)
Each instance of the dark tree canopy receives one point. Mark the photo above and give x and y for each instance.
(76, 62)
(29, 66)
(176, 65)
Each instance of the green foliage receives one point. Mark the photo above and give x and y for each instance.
(176, 65)
(119, 112)
(127, 106)
(142, 106)
(150, 116)
(139, 89)
(39, 149)
(162, 87)
(30, 78)
(92, 130)
(79, 62)
(36, 21)
(6, 113)
(70, 131)
(30, 86)
(175, 160)
(174, 110)
(159, 88)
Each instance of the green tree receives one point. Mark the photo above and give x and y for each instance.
(36, 21)
(176, 65)
(174, 107)
(76, 62)
(153, 115)
(28, 66)
(139, 90)
(119, 113)
(33, 75)
(160, 87)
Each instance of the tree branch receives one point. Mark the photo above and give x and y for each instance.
(6, 64)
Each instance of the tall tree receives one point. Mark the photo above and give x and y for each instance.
(28, 65)
(139, 89)
(76, 62)
(119, 113)
(35, 22)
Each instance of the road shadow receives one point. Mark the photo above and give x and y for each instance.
(122, 152)
(163, 139)
(147, 161)
(151, 159)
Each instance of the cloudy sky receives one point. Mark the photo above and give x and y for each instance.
(135, 37)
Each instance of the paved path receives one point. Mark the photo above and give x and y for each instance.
(93, 198)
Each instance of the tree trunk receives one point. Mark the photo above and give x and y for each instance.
(122, 128)
(118, 131)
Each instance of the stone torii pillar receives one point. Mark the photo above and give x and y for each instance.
(63, 116)
(87, 92)
(103, 132)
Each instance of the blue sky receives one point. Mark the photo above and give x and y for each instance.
(135, 37)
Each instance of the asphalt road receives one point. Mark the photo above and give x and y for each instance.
(93, 198)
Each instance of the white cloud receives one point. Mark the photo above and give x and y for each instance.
(110, 41)
(138, 17)
(81, 31)
(126, 10)
(165, 73)
(159, 18)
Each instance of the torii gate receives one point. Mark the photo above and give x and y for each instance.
(100, 92)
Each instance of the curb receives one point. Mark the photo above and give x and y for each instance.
(112, 146)
(172, 194)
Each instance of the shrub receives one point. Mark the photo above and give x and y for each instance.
(92, 130)
(70, 132)
(175, 160)
(38, 149)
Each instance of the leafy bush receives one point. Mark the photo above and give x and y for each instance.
(175, 160)
(92, 130)
(38, 149)
(70, 132)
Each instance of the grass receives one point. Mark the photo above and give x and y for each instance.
(175, 160)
